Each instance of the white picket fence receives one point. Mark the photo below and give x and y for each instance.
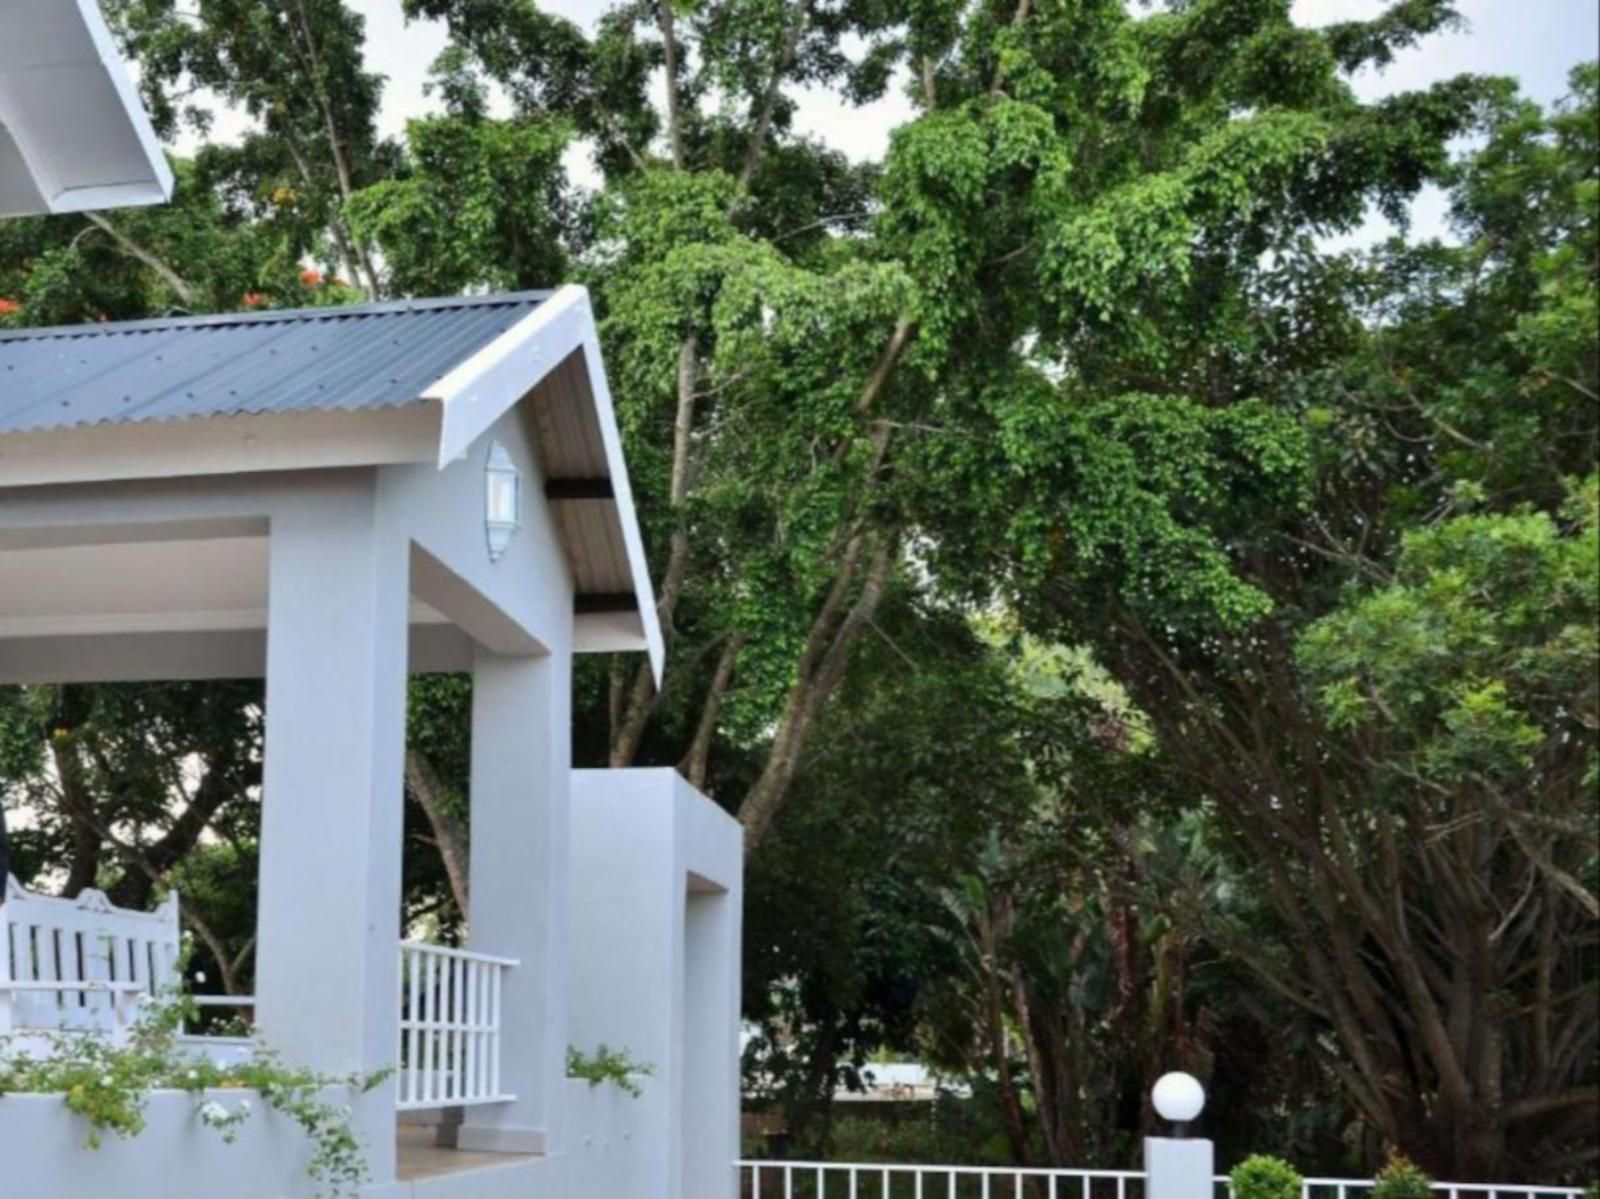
(863, 1180)
(449, 1027)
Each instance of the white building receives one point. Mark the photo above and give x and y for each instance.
(329, 499)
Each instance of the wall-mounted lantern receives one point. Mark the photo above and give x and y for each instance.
(502, 500)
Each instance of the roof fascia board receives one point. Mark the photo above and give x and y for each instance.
(494, 380)
(479, 391)
(106, 47)
(622, 490)
(56, 195)
(219, 445)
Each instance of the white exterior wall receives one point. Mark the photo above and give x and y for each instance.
(178, 1157)
(442, 511)
(650, 978)
(42, 1146)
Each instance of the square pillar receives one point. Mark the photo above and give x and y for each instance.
(521, 771)
(327, 973)
(1178, 1168)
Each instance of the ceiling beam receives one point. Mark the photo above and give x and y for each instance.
(605, 601)
(579, 489)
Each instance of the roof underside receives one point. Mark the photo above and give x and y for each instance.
(305, 360)
(73, 135)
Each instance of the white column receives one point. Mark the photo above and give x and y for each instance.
(521, 777)
(327, 962)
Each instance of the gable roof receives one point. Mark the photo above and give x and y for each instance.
(476, 356)
(73, 135)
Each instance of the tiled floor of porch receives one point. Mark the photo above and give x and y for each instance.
(419, 1158)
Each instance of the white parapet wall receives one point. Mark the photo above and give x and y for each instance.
(44, 1151)
(657, 893)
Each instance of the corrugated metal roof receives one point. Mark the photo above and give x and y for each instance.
(298, 360)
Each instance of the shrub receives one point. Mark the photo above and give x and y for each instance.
(1399, 1179)
(1262, 1177)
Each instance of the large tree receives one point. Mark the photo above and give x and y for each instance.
(1344, 557)
(804, 350)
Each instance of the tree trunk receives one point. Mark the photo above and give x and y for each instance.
(424, 786)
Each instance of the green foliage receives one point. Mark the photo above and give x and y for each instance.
(478, 203)
(1400, 1179)
(615, 1066)
(1483, 650)
(1263, 1177)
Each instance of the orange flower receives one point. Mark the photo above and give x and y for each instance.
(253, 299)
(311, 278)
(7, 306)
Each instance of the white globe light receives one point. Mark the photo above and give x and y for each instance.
(1178, 1097)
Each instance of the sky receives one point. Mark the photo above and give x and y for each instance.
(1537, 41)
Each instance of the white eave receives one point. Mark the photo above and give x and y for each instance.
(73, 135)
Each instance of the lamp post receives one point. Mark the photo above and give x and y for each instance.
(1178, 1166)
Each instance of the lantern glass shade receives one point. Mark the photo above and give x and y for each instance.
(1178, 1097)
(502, 500)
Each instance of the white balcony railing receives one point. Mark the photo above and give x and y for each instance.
(449, 1026)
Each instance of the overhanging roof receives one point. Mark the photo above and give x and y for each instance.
(476, 357)
(73, 135)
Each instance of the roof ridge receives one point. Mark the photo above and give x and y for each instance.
(267, 316)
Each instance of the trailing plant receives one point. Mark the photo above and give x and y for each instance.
(1401, 1179)
(617, 1067)
(109, 1085)
(1263, 1177)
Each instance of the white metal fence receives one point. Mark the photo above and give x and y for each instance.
(1358, 1188)
(449, 1026)
(861, 1180)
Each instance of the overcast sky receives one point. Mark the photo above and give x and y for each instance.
(1537, 41)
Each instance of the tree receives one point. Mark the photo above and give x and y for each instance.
(803, 350)
(296, 67)
(125, 785)
(1339, 568)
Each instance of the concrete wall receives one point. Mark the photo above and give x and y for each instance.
(42, 1148)
(657, 888)
(442, 512)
